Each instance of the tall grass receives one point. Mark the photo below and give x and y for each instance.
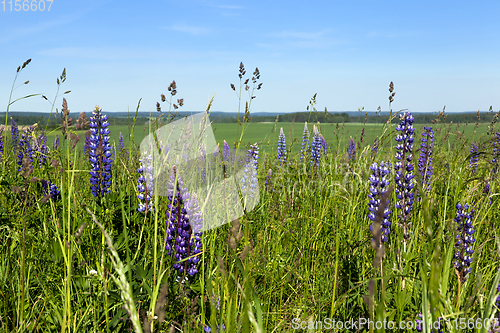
(303, 255)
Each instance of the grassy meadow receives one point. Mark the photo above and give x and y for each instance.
(303, 257)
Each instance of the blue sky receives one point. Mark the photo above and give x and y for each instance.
(115, 52)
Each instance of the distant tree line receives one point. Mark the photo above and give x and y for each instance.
(299, 117)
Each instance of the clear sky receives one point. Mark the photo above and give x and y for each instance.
(115, 52)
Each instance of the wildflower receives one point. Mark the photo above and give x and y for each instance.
(99, 154)
(55, 146)
(268, 179)
(374, 148)
(145, 184)
(465, 240)
(50, 189)
(474, 159)
(225, 151)
(25, 147)
(379, 184)
(121, 142)
(220, 328)
(425, 160)
(316, 147)
(40, 146)
(1, 142)
(250, 175)
(323, 143)
(181, 240)
(496, 152)
(14, 133)
(419, 324)
(404, 169)
(282, 147)
(351, 150)
(305, 142)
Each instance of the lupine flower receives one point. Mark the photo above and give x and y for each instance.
(374, 148)
(49, 188)
(225, 151)
(323, 143)
(404, 169)
(145, 184)
(55, 146)
(351, 150)
(40, 147)
(25, 147)
(181, 240)
(379, 184)
(121, 142)
(282, 147)
(99, 154)
(14, 133)
(425, 160)
(316, 147)
(474, 159)
(250, 176)
(305, 142)
(1, 142)
(496, 152)
(465, 240)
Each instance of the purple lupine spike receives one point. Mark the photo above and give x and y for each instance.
(55, 146)
(379, 184)
(49, 188)
(374, 148)
(180, 239)
(14, 133)
(1, 142)
(39, 146)
(305, 143)
(25, 148)
(351, 150)
(121, 142)
(425, 160)
(225, 151)
(316, 147)
(324, 145)
(249, 180)
(100, 154)
(474, 159)
(145, 184)
(464, 241)
(404, 170)
(496, 153)
(282, 147)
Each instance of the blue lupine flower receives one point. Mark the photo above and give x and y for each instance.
(465, 240)
(425, 160)
(249, 179)
(225, 151)
(316, 147)
(55, 146)
(379, 184)
(374, 148)
(14, 133)
(323, 143)
(25, 148)
(496, 152)
(282, 147)
(351, 150)
(305, 143)
(49, 188)
(99, 154)
(121, 142)
(404, 169)
(181, 240)
(40, 147)
(474, 159)
(145, 184)
(1, 142)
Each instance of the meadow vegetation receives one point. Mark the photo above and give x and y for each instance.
(86, 245)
